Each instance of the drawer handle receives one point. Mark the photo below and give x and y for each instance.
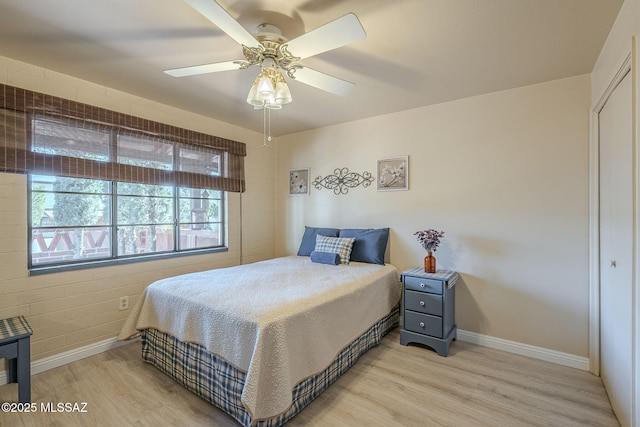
(422, 303)
(422, 324)
(422, 285)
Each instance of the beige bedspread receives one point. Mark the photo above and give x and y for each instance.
(280, 320)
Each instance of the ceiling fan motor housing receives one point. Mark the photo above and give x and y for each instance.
(272, 46)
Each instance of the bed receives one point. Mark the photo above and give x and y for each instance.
(261, 341)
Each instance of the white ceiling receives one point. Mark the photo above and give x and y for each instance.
(417, 52)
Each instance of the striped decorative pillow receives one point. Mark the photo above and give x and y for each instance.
(337, 245)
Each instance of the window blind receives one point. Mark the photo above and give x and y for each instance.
(48, 135)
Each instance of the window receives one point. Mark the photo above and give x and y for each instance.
(70, 219)
(105, 186)
(76, 220)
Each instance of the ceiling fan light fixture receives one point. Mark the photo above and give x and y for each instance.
(269, 90)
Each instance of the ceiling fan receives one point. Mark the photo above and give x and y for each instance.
(271, 51)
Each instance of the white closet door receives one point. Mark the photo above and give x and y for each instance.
(616, 249)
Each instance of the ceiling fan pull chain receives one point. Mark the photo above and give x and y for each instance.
(269, 128)
(264, 126)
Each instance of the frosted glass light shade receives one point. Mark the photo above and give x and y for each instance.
(283, 94)
(253, 98)
(265, 86)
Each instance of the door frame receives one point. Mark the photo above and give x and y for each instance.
(628, 65)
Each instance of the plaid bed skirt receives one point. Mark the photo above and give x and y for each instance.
(215, 380)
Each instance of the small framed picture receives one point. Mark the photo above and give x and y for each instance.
(299, 182)
(393, 174)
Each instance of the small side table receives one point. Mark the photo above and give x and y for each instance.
(428, 308)
(15, 334)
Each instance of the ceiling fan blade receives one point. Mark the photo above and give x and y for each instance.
(203, 69)
(215, 13)
(323, 81)
(332, 35)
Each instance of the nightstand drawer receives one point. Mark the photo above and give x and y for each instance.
(423, 323)
(423, 302)
(423, 285)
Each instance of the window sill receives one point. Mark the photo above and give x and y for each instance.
(36, 271)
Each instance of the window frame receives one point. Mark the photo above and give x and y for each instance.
(114, 258)
(112, 194)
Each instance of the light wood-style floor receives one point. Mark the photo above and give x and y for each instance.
(391, 385)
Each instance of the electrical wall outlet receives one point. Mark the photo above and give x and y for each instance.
(124, 303)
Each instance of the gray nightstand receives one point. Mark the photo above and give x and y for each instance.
(428, 308)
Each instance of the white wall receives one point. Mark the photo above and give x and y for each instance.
(73, 309)
(505, 175)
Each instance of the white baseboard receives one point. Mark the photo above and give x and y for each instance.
(66, 357)
(540, 353)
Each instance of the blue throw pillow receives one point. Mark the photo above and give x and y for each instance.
(308, 243)
(325, 257)
(370, 244)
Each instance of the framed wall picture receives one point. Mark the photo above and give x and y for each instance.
(393, 174)
(299, 182)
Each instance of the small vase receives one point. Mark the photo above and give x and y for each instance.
(430, 263)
